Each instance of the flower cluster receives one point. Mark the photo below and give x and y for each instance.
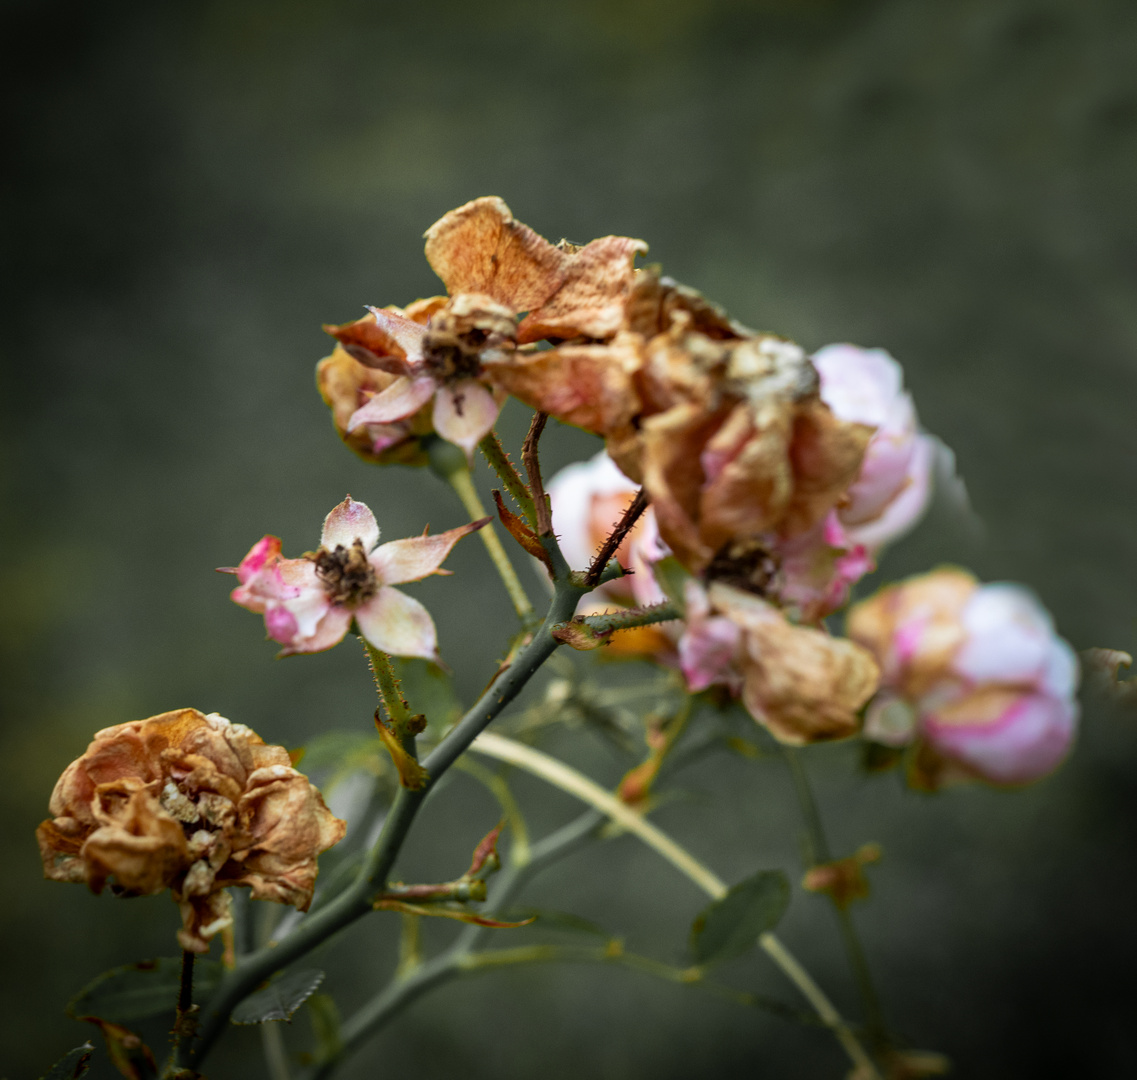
(973, 676)
(190, 803)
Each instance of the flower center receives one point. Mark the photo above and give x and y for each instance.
(348, 578)
(453, 356)
(745, 564)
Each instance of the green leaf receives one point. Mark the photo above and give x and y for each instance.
(139, 990)
(428, 690)
(73, 1064)
(731, 925)
(280, 999)
(339, 754)
(325, 1018)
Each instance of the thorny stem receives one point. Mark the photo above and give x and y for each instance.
(619, 531)
(454, 470)
(544, 520)
(628, 618)
(355, 901)
(387, 684)
(575, 783)
(498, 460)
(820, 853)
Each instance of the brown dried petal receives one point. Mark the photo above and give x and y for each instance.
(287, 825)
(479, 248)
(803, 684)
(826, 454)
(588, 386)
(591, 301)
(141, 846)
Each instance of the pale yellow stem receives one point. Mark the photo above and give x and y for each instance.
(463, 485)
(576, 783)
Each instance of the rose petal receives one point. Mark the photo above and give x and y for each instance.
(411, 560)
(328, 631)
(479, 248)
(464, 413)
(403, 398)
(398, 624)
(348, 522)
(406, 333)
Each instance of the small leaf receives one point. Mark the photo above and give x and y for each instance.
(521, 532)
(731, 925)
(128, 1053)
(411, 774)
(280, 999)
(325, 1018)
(137, 991)
(73, 1064)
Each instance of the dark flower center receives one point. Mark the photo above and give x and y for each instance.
(452, 356)
(745, 564)
(348, 578)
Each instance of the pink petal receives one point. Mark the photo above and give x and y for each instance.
(398, 624)
(708, 652)
(281, 624)
(416, 558)
(348, 522)
(464, 413)
(406, 333)
(328, 631)
(264, 551)
(403, 398)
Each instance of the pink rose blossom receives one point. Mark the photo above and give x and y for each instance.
(892, 491)
(975, 672)
(309, 603)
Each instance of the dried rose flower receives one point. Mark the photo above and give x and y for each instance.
(192, 803)
(894, 484)
(800, 682)
(309, 603)
(973, 674)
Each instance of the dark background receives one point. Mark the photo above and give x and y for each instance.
(190, 190)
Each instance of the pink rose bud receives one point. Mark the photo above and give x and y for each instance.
(975, 672)
(892, 491)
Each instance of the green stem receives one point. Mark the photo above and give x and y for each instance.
(387, 684)
(355, 901)
(632, 617)
(498, 460)
(820, 853)
(576, 783)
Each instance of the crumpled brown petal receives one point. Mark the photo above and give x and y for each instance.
(803, 684)
(192, 803)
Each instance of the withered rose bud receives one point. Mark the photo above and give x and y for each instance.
(190, 803)
(802, 683)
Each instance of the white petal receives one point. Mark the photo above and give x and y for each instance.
(348, 522)
(416, 558)
(464, 413)
(398, 624)
(403, 398)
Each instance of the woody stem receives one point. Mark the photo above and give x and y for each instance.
(498, 460)
(388, 685)
(621, 529)
(185, 986)
(819, 852)
(356, 901)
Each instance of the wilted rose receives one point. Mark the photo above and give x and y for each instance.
(192, 803)
(974, 674)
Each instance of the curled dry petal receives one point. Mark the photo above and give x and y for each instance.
(192, 803)
(804, 684)
(402, 399)
(346, 385)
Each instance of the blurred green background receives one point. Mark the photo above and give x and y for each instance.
(191, 189)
